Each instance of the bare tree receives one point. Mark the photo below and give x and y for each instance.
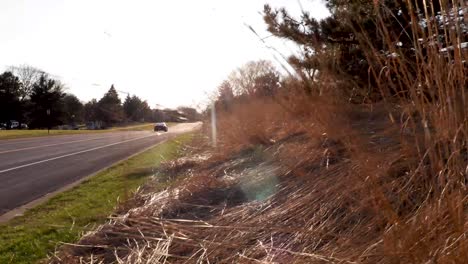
(28, 76)
(244, 80)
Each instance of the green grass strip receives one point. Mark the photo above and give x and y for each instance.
(29, 238)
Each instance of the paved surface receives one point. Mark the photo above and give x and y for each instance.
(33, 167)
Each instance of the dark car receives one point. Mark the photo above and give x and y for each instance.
(160, 127)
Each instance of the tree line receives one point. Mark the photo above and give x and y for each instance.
(31, 96)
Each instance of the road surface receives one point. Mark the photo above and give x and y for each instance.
(33, 167)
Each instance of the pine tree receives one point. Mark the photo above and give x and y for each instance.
(73, 109)
(91, 111)
(46, 103)
(110, 109)
(135, 109)
(10, 105)
(340, 44)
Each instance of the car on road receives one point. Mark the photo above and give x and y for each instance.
(160, 127)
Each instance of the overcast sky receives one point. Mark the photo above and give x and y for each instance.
(169, 52)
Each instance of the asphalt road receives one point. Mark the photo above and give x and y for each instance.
(33, 167)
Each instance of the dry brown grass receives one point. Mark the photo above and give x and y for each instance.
(347, 188)
(316, 179)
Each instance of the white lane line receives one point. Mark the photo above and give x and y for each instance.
(72, 154)
(50, 145)
(6, 142)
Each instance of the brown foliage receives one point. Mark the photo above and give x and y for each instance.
(309, 177)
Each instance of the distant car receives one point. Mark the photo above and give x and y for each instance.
(14, 124)
(160, 127)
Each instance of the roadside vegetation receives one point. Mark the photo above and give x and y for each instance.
(68, 215)
(359, 156)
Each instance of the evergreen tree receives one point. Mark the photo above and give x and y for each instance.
(135, 109)
(91, 111)
(358, 36)
(46, 103)
(225, 97)
(10, 105)
(128, 107)
(132, 108)
(110, 108)
(73, 110)
(145, 112)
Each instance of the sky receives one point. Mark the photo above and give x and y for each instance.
(170, 53)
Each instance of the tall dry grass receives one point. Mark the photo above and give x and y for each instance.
(409, 152)
(383, 182)
(431, 89)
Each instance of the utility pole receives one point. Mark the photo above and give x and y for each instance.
(48, 121)
(213, 124)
